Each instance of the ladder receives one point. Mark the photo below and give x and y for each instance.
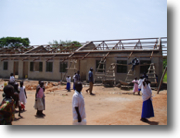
(100, 73)
(129, 76)
(73, 64)
(110, 74)
(152, 74)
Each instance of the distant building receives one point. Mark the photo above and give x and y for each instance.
(50, 63)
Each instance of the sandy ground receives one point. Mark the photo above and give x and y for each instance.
(110, 106)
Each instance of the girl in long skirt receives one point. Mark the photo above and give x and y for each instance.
(135, 88)
(147, 107)
(68, 86)
(40, 99)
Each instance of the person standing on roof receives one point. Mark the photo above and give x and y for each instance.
(134, 62)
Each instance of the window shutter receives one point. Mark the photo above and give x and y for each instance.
(31, 66)
(121, 68)
(5, 67)
(50, 66)
(40, 66)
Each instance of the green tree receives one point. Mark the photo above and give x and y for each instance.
(55, 43)
(14, 42)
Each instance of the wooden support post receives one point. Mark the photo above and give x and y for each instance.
(4, 59)
(151, 54)
(36, 58)
(105, 56)
(86, 55)
(161, 80)
(130, 55)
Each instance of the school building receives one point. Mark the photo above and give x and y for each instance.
(109, 58)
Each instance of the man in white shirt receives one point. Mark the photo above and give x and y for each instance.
(78, 106)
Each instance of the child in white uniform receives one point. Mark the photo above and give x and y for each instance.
(22, 94)
(139, 84)
(68, 86)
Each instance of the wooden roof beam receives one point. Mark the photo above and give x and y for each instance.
(36, 58)
(106, 56)
(26, 58)
(151, 54)
(86, 55)
(51, 58)
(4, 59)
(130, 54)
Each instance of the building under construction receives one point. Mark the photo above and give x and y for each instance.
(109, 58)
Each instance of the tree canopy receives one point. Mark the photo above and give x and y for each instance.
(55, 43)
(14, 42)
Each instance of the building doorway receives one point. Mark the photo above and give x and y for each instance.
(25, 70)
(16, 66)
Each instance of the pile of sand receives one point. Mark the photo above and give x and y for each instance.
(47, 85)
(31, 87)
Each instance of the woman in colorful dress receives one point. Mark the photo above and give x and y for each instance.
(7, 106)
(40, 99)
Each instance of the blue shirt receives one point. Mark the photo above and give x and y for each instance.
(90, 77)
(77, 77)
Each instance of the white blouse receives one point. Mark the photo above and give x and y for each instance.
(12, 79)
(146, 91)
(68, 79)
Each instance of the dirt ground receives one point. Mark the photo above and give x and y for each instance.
(109, 106)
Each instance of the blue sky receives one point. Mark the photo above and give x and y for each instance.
(43, 21)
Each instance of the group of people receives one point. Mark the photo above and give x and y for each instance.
(14, 97)
(77, 78)
(137, 83)
(143, 85)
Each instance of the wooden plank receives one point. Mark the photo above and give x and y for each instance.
(161, 80)
(151, 54)
(130, 54)
(86, 55)
(4, 59)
